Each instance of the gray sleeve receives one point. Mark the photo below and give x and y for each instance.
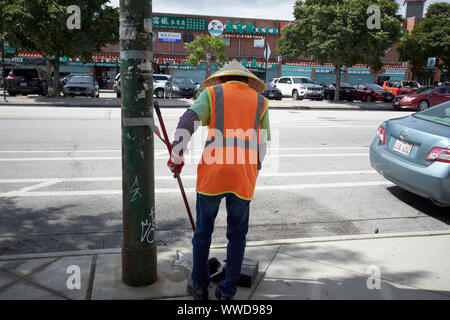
(262, 150)
(187, 125)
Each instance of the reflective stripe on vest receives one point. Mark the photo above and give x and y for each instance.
(251, 144)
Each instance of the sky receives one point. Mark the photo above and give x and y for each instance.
(263, 9)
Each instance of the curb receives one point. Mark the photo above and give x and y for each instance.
(252, 244)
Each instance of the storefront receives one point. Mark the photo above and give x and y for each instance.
(356, 74)
(246, 41)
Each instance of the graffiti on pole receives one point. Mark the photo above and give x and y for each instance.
(148, 228)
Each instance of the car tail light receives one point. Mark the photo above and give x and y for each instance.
(10, 78)
(439, 154)
(381, 134)
(36, 80)
(119, 83)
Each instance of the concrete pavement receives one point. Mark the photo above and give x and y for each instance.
(389, 266)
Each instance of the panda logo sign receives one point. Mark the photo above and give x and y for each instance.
(215, 28)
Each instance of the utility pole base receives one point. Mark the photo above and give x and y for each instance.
(139, 266)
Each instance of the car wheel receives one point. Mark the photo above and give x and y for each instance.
(368, 98)
(159, 93)
(320, 99)
(11, 93)
(295, 95)
(423, 105)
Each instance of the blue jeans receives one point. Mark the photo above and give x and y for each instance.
(237, 226)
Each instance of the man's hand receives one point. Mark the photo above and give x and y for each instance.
(175, 164)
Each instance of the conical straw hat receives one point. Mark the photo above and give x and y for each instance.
(234, 68)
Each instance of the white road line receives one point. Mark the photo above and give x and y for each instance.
(190, 190)
(58, 151)
(165, 150)
(60, 159)
(33, 187)
(312, 155)
(332, 127)
(186, 177)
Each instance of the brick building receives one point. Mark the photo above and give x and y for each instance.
(246, 39)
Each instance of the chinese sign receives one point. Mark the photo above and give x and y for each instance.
(8, 49)
(169, 37)
(358, 71)
(254, 64)
(398, 72)
(181, 23)
(249, 28)
(431, 63)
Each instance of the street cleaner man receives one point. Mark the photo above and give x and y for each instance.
(238, 120)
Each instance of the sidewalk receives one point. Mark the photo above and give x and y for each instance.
(410, 266)
(185, 103)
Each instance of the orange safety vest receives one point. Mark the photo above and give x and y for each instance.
(229, 162)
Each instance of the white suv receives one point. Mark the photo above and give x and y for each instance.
(159, 81)
(299, 88)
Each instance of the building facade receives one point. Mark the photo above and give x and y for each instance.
(247, 40)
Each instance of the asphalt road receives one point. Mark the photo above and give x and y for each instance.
(60, 181)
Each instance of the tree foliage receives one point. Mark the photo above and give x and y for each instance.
(337, 31)
(207, 44)
(41, 26)
(431, 38)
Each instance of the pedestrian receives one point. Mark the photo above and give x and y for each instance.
(238, 120)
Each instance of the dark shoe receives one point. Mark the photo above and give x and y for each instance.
(197, 294)
(221, 296)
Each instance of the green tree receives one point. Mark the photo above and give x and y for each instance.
(41, 26)
(201, 46)
(431, 38)
(337, 31)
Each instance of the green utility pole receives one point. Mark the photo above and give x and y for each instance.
(139, 263)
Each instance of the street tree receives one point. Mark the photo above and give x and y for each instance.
(45, 27)
(203, 47)
(342, 32)
(430, 39)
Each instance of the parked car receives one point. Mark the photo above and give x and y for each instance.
(299, 88)
(423, 98)
(181, 87)
(159, 81)
(116, 86)
(81, 85)
(346, 91)
(398, 87)
(26, 81)
(414, 153)
(159, 84)
(372, 92)
(272, 93)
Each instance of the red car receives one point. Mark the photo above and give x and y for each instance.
(398, 87)
(423, 98)
(372, 92)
